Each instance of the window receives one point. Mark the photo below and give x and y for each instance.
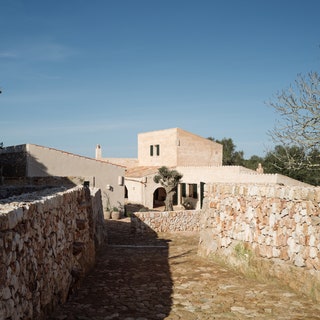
(154, 150)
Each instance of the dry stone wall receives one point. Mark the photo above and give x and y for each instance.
(15, 186)
(48, 242)
(168, 221)
(267, 231)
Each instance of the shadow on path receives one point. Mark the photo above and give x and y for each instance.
(131, 279)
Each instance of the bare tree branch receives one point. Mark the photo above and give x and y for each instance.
(299, 123)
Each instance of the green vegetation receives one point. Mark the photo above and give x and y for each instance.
(298, 131)
(272, 162)
(169, 179)
(242, 252)
(231, 157)
(296, 135)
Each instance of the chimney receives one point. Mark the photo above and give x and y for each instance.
(98, 152)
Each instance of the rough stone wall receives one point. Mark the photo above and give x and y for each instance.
(50, 181)
(21, 185)
(99, 229)
(47, 245)
(39, 161)
(266, 231)
(168, 221)
(13, 161)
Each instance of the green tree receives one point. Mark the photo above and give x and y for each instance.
(253, 162)
(273, 164)
(169, 179)
(230, 156)
(298, 129)
(273, 160)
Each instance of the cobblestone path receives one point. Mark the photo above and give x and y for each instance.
(161, 277)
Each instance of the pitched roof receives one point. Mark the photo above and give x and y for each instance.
(142, 171)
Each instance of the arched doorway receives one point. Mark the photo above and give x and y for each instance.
(159, 196)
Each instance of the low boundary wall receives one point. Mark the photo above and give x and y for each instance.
(167, 221)
(265, 231)
(47, 245)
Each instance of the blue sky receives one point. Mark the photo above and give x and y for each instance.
(78, 73)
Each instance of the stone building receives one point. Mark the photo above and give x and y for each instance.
(172, 148)
(198, 159)
(177, 147)
(30, 160)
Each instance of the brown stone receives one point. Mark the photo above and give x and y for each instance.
(37, 255)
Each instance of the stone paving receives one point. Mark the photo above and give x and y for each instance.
(161, 277)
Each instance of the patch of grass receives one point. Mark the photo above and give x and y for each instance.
(242, 252)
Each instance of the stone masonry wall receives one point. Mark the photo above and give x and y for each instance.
(168, 221)
(266, 231)
(48, 242)
(15, 186)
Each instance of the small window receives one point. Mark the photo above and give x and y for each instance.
(154, 150)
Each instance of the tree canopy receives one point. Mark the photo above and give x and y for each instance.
(298, 129)
(230, 156)
(272, 164)
(169, 179)
(272, 161)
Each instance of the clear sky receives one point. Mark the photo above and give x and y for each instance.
(78, 73)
